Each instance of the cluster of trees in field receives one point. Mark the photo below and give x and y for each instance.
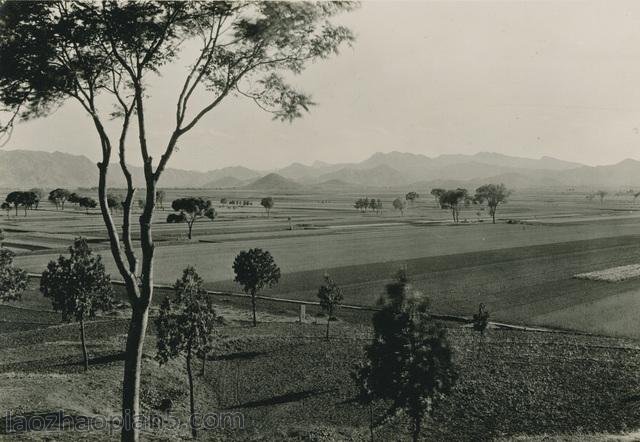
(28, 200)
(365, 204)
(455, 199)
(226, 201)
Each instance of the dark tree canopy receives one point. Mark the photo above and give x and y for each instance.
(409, 362)
(189, 210)
(255, 269)
(78, 286)
(58, 197)
(267, 203)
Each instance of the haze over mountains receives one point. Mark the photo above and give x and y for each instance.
(22, 169)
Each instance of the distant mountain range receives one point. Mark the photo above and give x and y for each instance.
(394, 170)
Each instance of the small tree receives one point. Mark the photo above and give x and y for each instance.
(190, 209)
(481, 319)
(437, 193)
(39, 193)
(185, 326)
(87, 203)
(399, 205)
(114, 201)
(412, 197)
(330, 295)
(255, 269)
(6, 207)
(13, 280)
(409, 361)
(78, 286)
(30, 200)
(160, 194)
(16, 199)
(267, 203)
(454, 200)
(58, 197)
(493, 194)
(601, 194)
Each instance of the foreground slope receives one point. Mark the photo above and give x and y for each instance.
(290, 384)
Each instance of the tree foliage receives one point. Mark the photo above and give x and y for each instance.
(190, 210)
(78, 286)
(454, 200)
(58, 197)
(399, 205)
(13, 280)
(330, 296)
(493, 195)
(255, 269)
(409, 361)
(267, 203)
(186, 326)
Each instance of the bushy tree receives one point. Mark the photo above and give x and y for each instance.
(190, 209)
(102, 54)
(78, 286)
(601, 194)
(409, 361)
(481, 319)
(186, 326)
(437, 193)
(255, 269)
(58, 197)
(399, 205)
(455, 200)
(16, 199)
(87, 203)
(114, 201)
(13, 280)
(39, 194)
(330, 296)
(412, 196)
(493, 195)
(267, 203)
(6, 207)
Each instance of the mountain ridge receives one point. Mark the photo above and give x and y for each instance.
(25, 169)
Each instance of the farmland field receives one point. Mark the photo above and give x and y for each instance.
(521, 269)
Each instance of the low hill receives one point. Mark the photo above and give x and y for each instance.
(224, 182)
(274, 182)
(378, 176)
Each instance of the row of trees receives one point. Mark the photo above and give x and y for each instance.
(455, 199)
(364, 204)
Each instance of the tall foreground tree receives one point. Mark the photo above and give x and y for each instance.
(493, 195)
(79, 287)
(54, 51)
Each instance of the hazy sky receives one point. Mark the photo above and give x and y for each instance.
(524, 78)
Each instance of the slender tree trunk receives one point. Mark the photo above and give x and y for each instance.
(253, 306)
(132, 369)
(192, 406)
(493, 215)
(328, 321)
(85, 358)
(371, 419)
(190, 227)
(203, 369)
(417, 427)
